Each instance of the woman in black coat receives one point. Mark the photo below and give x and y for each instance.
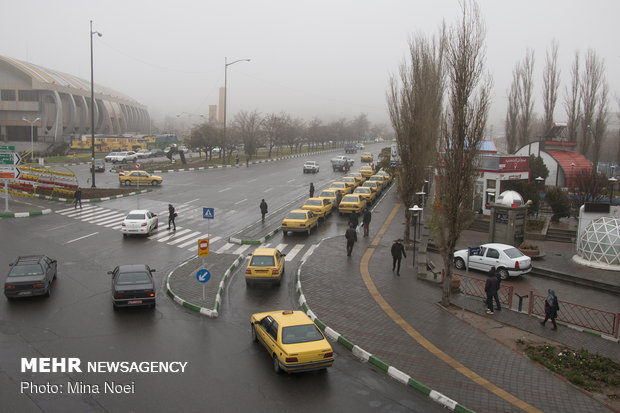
(551, 309)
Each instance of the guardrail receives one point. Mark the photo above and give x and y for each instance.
(475, 288)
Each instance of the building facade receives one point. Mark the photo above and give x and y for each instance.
(58, 106)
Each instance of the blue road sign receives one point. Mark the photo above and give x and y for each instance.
(208, 213)
(474, 250)
(203, 275)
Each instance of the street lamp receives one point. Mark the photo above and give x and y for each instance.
(539, 181)
(32, 122)
(416, 209)
(226, 64)
(612, 181)
(92, 105)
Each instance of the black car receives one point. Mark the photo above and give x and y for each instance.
(99, 165)
(133, 285)
(30, 275)
(157, 153)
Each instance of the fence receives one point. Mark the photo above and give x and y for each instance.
(579, 315)
(570, 313)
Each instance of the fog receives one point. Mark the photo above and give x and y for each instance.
(325, 59)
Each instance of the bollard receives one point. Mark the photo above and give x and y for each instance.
(521, 297)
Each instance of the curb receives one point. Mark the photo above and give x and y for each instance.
(365, 356)
(53, 198)
(253, 242)
(24, 214)
(214, 312)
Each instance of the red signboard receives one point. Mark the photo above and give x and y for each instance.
(514, 163)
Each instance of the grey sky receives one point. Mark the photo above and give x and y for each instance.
(327, 59)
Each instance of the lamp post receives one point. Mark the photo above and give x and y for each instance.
(31, 122)
(416, 209)
(539, 181)
(421, 198)
(92, 105)
(226, 64)
(612, 181)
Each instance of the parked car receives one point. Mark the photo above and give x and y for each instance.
(143, 153)
(30, 275)
(139, 222)
(99, 165)
(320, 206)
(156, 152)
(366, 157)
(112, 155)
(138, 177)
(334, 196)
(300, 345)
(132, 285)
(343, 187)
(311, 167)
(266, 264)
(352, 203)
(339, 161)
(299, 220)
(367, 193)
(507, 260)
(121, 157)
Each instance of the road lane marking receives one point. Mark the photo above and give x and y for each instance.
(224, 248)
(174, 234)
(193, 200)
(268, 189)
(79, 211)
(252, 180)
(108, 218)
(195, 240)
(162, 232)
(91, 215)
(290, 180)
(423, 341)
(183, 238)
(281, 247)
(294, 251)
(225, 189)
(61, 226)
(241, 249)
(242, 201)
(85, 236)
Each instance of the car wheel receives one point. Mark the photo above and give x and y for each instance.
(459, 264)
(153, 305)
(124, 235)
(154, 183)
(127, 182)
(115, 307)
(48, 293)
(276, 365)
(254, 338)
(503, 273)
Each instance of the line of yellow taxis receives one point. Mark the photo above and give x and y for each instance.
(291, 338)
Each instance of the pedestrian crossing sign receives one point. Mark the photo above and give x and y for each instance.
(208, 213)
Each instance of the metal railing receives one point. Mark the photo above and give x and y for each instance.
(475, 288)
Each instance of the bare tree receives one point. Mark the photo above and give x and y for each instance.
(511, 127)
(360, 126)
(592, 85)
(618, 141)
(526, 100)
(469, 88)
(551, 82)
(415, 105)
(572, 101)
(599, 127)
(249, 125)
(273, 130)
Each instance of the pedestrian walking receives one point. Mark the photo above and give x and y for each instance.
(490, 287)
(311, 190)
(351, 237)
(263, 209)
(171, 217)
(551, 309)
(78, 198)
(237, 160)
(345, 166)
(493, 271)
(366, 221)
(398, 252)
(353, 220)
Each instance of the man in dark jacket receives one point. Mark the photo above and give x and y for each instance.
(78, 198)
(398, 251)
(263, 209)
(366, 221)
(351, 237)
(353, 220)
(493, 271)
(171, 217)
(491, 287)
(311, 190)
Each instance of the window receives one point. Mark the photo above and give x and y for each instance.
(273, 330)
(490, 183)
(7, 94)
(492, 253)
(28, 96)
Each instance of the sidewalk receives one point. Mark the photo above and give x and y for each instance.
(20, 207)
(427, 342)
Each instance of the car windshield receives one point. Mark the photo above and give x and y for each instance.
(370, 183)
(128, 278)
(135, 216)
(339, 185)
(296, 215)
(301, 334)
(314, 202)
(262, 261)
(349, 198)
(362, 190)
(513, 253)
(26, 269)
(327, 194)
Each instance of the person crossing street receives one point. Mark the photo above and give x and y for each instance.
(171, 217)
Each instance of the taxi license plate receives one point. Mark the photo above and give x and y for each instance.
(134, 302)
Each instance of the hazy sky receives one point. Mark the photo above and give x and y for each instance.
(326, 59)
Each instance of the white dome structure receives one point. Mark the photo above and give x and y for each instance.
(510, 198)
(599, 243)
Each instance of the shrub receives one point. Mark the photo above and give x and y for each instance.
(559, 203)
(528, 246)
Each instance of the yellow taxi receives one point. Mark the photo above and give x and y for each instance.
(343, 187)
(374, 185)
(299, 220)
(385, 174)
(367, 193)
(266, 264)
(366, 157)
(322, 207)
(378, 179)
(332, 195)
(292, 340)
(138, 177)
(358, 177)
(367, 171)
(350, 180)
(352, 203)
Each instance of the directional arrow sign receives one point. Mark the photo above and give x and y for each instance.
(7, 148)
(9, 172)
(203, 275)
(16, 159)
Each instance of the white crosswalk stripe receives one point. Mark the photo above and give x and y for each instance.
(175, 234)
(99, 215)
(195, 240)
(91, 214)
(294, 251)
(227, 246)
(241, 249)
(79, 212)
(162, 231)
(183, 238)
(108, 218)
(281, 247)
(118, 219)
(60, 211)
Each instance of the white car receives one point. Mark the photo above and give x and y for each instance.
(311, 167)
(139, 221)
(507, 260)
